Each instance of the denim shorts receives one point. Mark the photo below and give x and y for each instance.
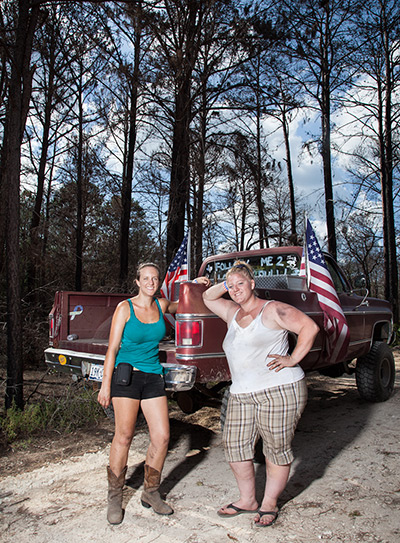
(143, 386)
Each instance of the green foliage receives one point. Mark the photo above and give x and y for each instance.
(76, 409)
(17, 422)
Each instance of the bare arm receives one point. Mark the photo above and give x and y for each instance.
(290, 318)
(222, 307)
(120, 317)
(167, 306)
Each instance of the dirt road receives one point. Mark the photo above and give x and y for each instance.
(344, 485)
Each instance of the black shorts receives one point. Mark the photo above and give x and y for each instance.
(143, 386)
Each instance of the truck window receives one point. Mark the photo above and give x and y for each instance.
(264, 266)
(338, 280)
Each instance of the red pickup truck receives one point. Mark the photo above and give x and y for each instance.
(195, 365)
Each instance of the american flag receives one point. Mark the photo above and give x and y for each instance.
(177, 271)
(319, 279)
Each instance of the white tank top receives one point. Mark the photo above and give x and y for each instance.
(247, 351)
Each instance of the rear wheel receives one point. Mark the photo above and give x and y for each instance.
(187, 401)
(375, 373)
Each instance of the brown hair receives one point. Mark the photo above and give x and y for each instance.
(239, 266)
(147, 265)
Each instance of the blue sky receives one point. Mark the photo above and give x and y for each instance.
(307, 167)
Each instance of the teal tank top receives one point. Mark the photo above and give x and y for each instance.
(139, 343)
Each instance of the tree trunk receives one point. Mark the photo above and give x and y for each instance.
(197, 237)
(46, 219)
(79, 195)
(262, 230)
(35, 249)
(326, 140)
(329, 206)
(126, 192)
(293, 230)
(17, 108)
(182, 61)
(391, 275)
(179, 184)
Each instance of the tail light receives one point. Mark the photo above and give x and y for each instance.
(189, 333)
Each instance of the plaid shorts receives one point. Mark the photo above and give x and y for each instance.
(271, 414)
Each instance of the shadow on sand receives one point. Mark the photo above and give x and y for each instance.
(332, 420)
(196, 438)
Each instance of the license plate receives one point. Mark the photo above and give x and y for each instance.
(96, 372)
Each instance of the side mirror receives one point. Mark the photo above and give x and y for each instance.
(360, 281)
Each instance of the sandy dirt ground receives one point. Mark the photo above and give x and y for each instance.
(344, 484)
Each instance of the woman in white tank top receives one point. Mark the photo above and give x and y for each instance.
(268, 391)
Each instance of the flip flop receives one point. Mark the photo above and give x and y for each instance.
(262, 514)
(238, 510)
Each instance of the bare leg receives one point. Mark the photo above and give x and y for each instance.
(125, 411)
(277, 477)
(245, 479)
(155, 412)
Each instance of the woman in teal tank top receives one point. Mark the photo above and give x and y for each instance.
(139, 343)
(133, 379)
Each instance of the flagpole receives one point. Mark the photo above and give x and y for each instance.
(189, 254)
(305, 252)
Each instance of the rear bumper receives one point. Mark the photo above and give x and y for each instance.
(72, 362)
(178, 377)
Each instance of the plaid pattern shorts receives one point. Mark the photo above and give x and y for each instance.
(271, 414)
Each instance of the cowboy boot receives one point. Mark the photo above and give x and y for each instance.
(150, 495)
(115, 486)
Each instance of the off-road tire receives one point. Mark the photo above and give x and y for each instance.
(375, 373)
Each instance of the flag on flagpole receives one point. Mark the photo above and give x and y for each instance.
(319, 280)
(177, 271)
